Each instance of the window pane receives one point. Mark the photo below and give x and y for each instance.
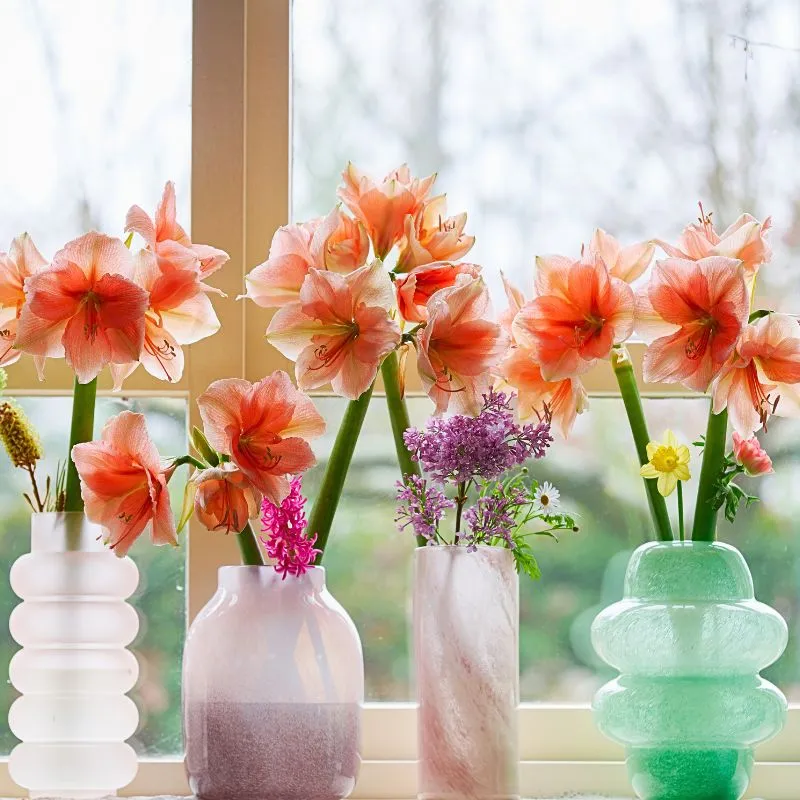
(96, 99)
(547, 119)
(160, 598)
(369, 562)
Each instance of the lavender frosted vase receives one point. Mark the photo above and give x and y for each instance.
(466, 640)
(273, 681)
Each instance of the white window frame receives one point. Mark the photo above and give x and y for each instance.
(241, 184)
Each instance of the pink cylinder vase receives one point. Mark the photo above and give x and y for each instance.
(466, 641)
(273, 682)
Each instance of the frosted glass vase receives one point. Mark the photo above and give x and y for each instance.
(273, 682)
(466, 649)
(689, 640)
(74, 670)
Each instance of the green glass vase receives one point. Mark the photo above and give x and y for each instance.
(689, 640)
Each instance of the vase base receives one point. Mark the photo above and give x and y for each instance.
(460, 796)
(689, 774)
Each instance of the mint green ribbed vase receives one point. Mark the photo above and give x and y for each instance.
(689, 640)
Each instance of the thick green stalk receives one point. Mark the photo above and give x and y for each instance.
(248, 547)
(82, 430)
(704, 528)
(398, 415)
(623, 369)
(321, 517)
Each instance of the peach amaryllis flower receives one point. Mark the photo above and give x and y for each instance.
(693, 312)
(123, 485)
(414, 289)
(579, 314)
(179, 313)
(626, 263)
(762, 376)
(744, 240)
(21, 261)
(340, 330)
(224, 498)
(459, 346)
(263, 427)
(536, 397)
(383, 207)
(85, 307)
(336, 242)
(169, 241)
(430, 235)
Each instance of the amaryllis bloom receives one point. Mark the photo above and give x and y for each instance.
(263, 427)
(123, 485)
(762, 376)
(22, 261)
(702, 306)
(744, 240)
(626, 263)
(563, 399)
(85, 307)
(415, 288)
(751, 455)
(336, 242)
(580, 313)
(383, 207)
(459, 346)
(430, 235)
(339, 331)
(179, 313)
(224, 499)
(169, 241)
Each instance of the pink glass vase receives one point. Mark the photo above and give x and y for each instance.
(273, 682)
(466, 641)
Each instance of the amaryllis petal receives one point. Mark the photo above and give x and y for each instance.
(414, 289)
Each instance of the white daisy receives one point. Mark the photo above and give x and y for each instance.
(547, 497)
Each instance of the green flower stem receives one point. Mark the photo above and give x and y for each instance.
(704, 528)
(321, 517)
(82, 430)
(680, 511)
(248, 547)
(623, 369)
(398, 415)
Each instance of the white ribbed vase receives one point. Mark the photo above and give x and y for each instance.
(466, 648)
(74, 669)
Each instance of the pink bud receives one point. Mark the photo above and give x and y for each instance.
(751, 455)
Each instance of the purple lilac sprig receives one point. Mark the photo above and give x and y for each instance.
(422, 506)
(480, 459)
(285, 525)
(461, 448)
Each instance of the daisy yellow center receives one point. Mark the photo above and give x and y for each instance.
(665, 459)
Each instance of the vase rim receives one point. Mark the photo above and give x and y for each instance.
(237, 576)
(66, 531)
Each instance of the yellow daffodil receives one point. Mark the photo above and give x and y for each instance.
(668, 461)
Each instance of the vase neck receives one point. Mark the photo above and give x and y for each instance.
(65, 531)
(245, 579)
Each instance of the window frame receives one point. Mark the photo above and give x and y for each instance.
(241, 192)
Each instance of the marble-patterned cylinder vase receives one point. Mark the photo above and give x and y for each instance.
(273, 682)
(74, 669)
(466, 648)
(689, 640)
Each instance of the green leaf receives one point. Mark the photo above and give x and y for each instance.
(760, 314)
(524, 560)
